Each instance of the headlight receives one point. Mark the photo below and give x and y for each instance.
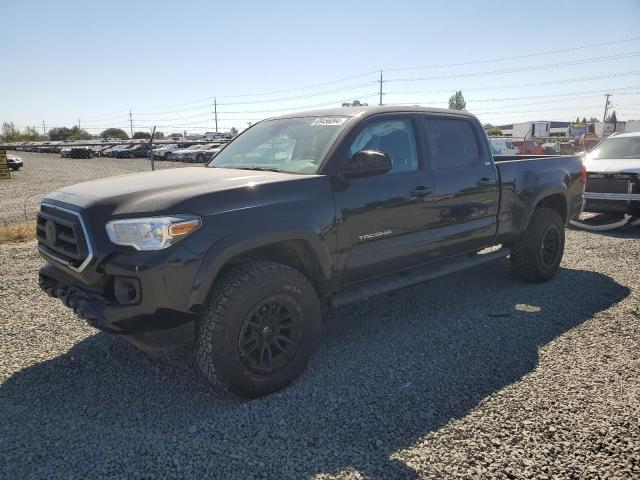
(153, 233)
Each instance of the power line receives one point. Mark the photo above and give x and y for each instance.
(586, 93)
(521, 85)
(361, 75)
(516, 57)
(520, 69)
(273, 110)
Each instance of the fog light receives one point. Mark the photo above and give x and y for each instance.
(127, 290)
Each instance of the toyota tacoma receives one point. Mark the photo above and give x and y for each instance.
(297, 214)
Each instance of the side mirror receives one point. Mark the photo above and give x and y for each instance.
(366, 163)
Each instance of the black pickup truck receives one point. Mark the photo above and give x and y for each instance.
(296, 214)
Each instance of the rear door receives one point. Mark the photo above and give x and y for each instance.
(466, 195)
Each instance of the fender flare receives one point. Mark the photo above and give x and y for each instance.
(546, 191)
(233, 245)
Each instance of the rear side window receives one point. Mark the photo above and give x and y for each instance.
(452, 143)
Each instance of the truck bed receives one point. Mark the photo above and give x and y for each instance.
(524, 178)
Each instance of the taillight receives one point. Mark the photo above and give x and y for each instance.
(583, 176)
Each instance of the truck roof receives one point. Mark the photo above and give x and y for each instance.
(367, 111)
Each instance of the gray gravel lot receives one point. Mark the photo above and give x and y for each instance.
(474, 375)
(45, 172)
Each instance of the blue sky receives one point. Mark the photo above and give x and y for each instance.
(63, 60)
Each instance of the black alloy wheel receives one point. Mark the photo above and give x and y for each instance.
(550, 247)
(270, 334)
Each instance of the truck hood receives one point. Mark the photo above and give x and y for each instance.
(614, 165)
(176, 190)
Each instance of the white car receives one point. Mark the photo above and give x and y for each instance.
(164, 151)
(197, 153)
(502, 146)
(15, 163)
(613, 176)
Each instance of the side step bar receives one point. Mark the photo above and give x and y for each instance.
(404, 279)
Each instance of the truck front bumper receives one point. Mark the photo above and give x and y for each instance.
(612, 203)
(135, 293)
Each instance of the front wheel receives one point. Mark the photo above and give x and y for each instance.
(536, 255)
(259, 329)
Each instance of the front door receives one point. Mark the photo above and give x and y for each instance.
(381, 218)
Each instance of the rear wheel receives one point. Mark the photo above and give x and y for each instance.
(259, 329)
(536, 255)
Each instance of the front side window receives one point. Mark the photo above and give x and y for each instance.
(452, 143)
(393, 137)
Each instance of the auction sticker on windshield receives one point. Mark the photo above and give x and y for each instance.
(329, 121)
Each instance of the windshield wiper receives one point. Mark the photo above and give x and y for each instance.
(260, 169)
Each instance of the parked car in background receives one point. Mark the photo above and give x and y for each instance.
(98, 149)
(15, 163)
(528, 147)
(163, 151)
(177, 153)
(140, 150)
(76, 152)
(551, 148)
(197, 153)
(502, 146)
(109, 152)
(613, 182)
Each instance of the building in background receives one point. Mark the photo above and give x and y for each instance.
(537, 129)
(603, 129)
(632, 126)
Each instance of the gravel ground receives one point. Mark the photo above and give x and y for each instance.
(473, 375)
(45, 172)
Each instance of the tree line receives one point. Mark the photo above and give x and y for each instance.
(10, 133)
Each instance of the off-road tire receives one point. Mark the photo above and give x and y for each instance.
(230, 303)
(526, 257)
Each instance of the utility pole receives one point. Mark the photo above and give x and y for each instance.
(78, 122)
(44, 129)
(380, 88)
(153, 165)
(131, 122)
(215, 112)
(606, 107)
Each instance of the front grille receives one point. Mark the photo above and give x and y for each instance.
(607, 185)
(61, 235)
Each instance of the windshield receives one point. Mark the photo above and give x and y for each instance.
(617, 147)
(292, 145)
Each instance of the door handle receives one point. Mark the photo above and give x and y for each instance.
(485, 182)
(420, 192)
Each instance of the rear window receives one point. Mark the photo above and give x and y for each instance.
(452, 143)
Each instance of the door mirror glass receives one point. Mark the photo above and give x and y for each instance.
(367, 163)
